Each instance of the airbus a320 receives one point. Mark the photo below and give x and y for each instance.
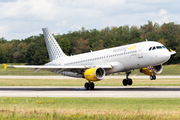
(147, 56)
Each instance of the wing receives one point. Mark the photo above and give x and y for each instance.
(57, 69)
(172, 52)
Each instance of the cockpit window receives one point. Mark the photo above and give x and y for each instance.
(158, 47)
(153, 48)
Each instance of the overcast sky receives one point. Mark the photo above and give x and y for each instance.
(20, 19)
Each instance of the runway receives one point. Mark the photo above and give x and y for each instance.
(105, 91)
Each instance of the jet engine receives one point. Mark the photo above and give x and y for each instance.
(155, 70)
(94, 74)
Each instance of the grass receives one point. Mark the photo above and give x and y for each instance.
(80, 82)
(167, 70)
(171, 70)
(89, 108)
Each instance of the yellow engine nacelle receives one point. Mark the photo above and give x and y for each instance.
(155, 70)
(94, 74)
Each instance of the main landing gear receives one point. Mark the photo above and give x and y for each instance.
(127, 81)
(89, 85)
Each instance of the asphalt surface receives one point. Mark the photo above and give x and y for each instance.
(105, 91)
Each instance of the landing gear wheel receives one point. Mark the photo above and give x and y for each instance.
(125, 82)
(130, 81)
(86, 85)
(91, 85)
(152, 77)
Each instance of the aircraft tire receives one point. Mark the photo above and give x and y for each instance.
(86, 85)
(151, 77)
(91, 85)
(130, 81)
(125, 82)
(154, 77)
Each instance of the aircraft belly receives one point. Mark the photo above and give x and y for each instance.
(116, 67)
(131, 62)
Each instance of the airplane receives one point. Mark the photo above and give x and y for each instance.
(148, 56)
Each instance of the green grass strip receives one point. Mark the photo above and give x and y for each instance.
(80, 82)
(89, 108)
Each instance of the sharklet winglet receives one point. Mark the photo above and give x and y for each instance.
(5, 66)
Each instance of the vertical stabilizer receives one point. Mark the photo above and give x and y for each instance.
(53, 47)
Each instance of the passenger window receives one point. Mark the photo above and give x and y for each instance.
(150, 48)
(163, 47)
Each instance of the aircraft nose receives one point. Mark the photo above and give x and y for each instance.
(165, 55)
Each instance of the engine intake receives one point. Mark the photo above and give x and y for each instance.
(94, 74)
(156, 70)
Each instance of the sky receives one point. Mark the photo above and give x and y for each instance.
(20, 19)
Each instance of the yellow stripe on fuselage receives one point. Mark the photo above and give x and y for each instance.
(132, 47)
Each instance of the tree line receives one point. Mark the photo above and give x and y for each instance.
(32, 50)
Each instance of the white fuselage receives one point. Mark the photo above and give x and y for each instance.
(93, 66)
(123, 58)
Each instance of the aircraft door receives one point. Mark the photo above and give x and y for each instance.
(140, 50)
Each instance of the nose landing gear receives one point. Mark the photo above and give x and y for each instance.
(152, 77)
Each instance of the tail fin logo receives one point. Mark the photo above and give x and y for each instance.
(54, 50)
